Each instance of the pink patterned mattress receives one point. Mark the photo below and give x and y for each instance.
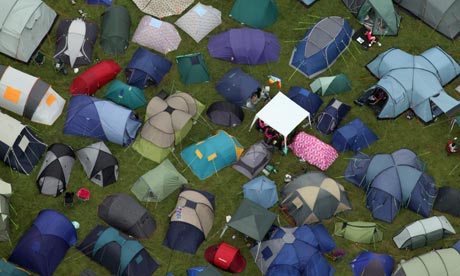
(313, 150)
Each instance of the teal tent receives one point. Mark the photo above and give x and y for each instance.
(331, 85)
(255, 13)
(125, 95)
(192, 68)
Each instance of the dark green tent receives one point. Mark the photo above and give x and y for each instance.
(115, 25)
(125, 95)
(331, 85)
(192, 68)
(255, 13)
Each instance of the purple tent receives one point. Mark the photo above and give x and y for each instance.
(245, 46)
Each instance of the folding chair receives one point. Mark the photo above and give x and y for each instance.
(83, 194)
(38, 58)
(68, 199)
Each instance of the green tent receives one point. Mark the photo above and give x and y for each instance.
(252, 220)
(331, 85)
(385, 20)
(209, 271)
(115, 26)
(192, 68)
(125, 95)
(255, 13)
(442, 262)
(157, 184)
(359, 231)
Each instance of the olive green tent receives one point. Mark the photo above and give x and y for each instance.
(331, 85)
(192, 68)
(359, 231)
(115, 25)
(443, 262)
(255, 13)
(157, 184)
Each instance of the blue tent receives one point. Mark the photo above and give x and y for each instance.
(414, 82)
(353, 136)
(99, 2)
(321, 46)
(306, 99)
(392, 181)
(214, 153)
(331, 116)
(146, 68)
(91, 117)
(371, 264)
(261, 190)
(42, 248)
(117, 252)
(236, 86)
(295, 251)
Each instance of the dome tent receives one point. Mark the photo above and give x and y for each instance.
(115, 25)
(100, 166)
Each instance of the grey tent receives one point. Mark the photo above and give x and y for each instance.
(115, 25)
(23, 26)
(422, 232)
(127, 215)
(55, 171)
(75, 39)
(225, 113)
(442, 262)
(158, 183)
(448, 201)
(254, 159)
(313, 197)
(100, 165)
(199, 21)
(5, 194)
(442, 15)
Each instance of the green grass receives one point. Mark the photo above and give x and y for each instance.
(428, 141)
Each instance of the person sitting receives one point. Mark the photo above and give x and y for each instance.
(371, 38)
(452, 146)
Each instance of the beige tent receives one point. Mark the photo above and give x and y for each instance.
(162, 8)
(199, 21)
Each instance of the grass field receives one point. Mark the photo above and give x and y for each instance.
(294, 19)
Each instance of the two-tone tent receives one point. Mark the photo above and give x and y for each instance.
(448, 201)
(313, 197)
(158, 35)
(307, 100)
(313, 150)
(236, 86)
(368, 263)
(192, 68)
(359, 231)
(94, 78)
(126, 95)
(441, 262)
(392, 181)
(90, 117)
(117, 252)
(255, 13)
(55, 172)
(126, 214)
(353, 136)
(5, 194)
(262, 191)
(42, 248)
(295, 251)
(75, 40)
(146, 68)
(20, 148)
(414, 82)
(331, 85)
(321, 46)
(214, 153)
(29, 96)
(162, 8)
(191, 220)
(254, 159)
(199, 21)
(158, 183)
(423, 232)
(115, 25)
(225, 113)
(100, 166)
(330, 117)
(245, 46)
(23, 26)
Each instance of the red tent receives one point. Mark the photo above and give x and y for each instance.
(94, 78)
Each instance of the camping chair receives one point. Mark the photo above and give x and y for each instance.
(68, 199)
(83, 194)
(38, 58)
(59, 66)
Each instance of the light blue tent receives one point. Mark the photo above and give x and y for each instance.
(261, 190)
(212, 154)
(414, 82)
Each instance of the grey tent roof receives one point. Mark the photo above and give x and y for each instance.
(5, 194)
(443, 262)
(126, 214)
(99, 164)
(254, 159)
(55, 172)
(199, 21)
(423, 232)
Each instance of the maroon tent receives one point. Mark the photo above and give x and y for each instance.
(94, 78)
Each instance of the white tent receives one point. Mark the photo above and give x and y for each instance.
(283, 115)
(199, 21)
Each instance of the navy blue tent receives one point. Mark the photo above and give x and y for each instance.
(331, 116)
(372, 264)
(353, 136)
(321, 46)
(91, 117)
(42, 248)
(236, 86)
(122, 255)
(245, 46)
(306, 99)
(392, 181)
(146, 68)
(295, 251)
(99, 2)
